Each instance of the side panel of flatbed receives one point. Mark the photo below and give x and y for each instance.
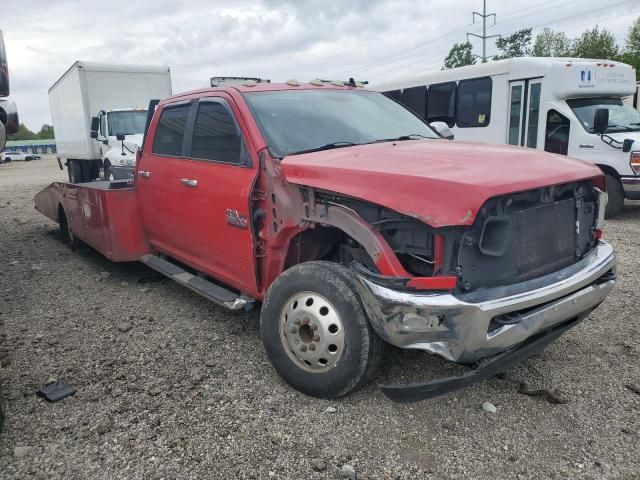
(106, 219)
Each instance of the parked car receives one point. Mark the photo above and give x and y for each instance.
(13, 156)
(352, 222)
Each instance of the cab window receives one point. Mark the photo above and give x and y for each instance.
(215, 134)
(557, 133)
(170, 131)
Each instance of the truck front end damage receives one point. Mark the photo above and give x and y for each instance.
(531, 265)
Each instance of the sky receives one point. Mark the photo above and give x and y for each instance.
(374, 40)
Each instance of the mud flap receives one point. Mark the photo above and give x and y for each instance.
(422, 391)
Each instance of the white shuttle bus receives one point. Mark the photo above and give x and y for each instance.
(566, 106)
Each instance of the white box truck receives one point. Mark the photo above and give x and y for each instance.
(99, 112)
(568, 106)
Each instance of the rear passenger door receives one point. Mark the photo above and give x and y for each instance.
(217, 177)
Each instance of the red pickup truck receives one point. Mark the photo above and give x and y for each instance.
(353, 224)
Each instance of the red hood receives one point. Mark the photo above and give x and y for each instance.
(437, 181)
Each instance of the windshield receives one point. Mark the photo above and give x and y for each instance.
(127, 123)
(306, 120)
(622, 117)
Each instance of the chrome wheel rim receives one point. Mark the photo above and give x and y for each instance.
(312, 332)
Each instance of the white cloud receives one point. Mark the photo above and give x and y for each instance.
(278, 39)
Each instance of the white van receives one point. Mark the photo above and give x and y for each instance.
(567, 106)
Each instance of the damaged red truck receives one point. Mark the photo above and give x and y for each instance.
(353, 223)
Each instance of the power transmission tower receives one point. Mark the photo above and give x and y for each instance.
(484, 35)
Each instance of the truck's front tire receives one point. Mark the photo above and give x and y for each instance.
(316, 333)
(615, 192)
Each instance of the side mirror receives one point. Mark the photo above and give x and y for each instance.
(120, 136)
(601, 121)
(95, 124)
(94, 134)
(442, 129)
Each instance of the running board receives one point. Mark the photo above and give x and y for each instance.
(207, 289)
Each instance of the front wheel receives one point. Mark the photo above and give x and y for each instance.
(316, 333)
(615, 194)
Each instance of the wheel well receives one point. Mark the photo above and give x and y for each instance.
(606, 169)
(325, 243)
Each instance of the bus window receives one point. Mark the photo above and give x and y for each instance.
(441, 103)
(415, 99)
(395, 94)
(514, 114)
(473, 107)
(532, 117)
(557, 133)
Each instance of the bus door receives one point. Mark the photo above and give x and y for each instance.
(523, 113)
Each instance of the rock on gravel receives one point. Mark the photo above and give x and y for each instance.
(330, 410)
(124, 327)
(347, 471)
(318, 464)
(489, 407)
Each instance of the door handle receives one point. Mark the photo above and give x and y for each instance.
(189, 182)
(144, 173)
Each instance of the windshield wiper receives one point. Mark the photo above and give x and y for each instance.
(328, 146)
(412, 136)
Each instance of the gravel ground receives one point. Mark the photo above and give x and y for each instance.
(171, 386)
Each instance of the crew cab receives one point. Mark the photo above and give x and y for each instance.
(353, 223)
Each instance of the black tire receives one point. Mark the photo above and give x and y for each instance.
(65, 229)
(361, 349)
(7, 159)
(615, 193)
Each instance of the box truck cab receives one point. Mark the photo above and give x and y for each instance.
(118, 133)
(91, 104)
(566, 106)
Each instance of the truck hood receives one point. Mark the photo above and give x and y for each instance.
(437, 181)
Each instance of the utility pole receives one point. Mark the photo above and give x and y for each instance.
(484, 35)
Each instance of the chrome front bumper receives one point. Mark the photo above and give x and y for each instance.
(460, 328)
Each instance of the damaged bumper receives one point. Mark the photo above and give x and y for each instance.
(467, 328)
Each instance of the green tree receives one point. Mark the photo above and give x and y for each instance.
(551, 44)
(517, 44)
(631, 52)
(23, 133)
(46, 132)
(596, 43)
(460, 55)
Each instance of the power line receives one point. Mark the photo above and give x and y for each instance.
(484, 15)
